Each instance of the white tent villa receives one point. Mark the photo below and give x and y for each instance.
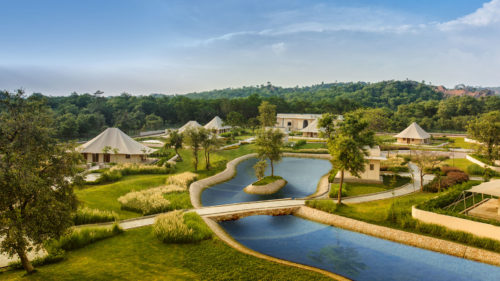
(414, 134)
(218, 125)
(372, 168)
(189, 124)
(120, 148)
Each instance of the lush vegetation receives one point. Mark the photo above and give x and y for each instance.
(180, 227)
(87, 216)
(398, 103)
(267, 180)
(81, 237)
(149, 201)
(117, 172)
(137, 255)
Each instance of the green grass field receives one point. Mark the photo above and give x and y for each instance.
(355, 189)
(138, 255)
(459, 142)
(460, 163)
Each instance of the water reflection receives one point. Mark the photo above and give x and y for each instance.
(347, 259)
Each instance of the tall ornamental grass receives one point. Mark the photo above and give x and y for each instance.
(179, 227)
(182, 179)
(87, 215)
(79, 238)
(149, 201)
(134, 169)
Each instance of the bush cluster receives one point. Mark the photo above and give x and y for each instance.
(182, 179)
(79, 238)
(452, 176)
(86, 215)
(149, 201)
(179, 227)
(116, 172)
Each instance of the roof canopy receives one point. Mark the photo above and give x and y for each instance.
(489, 188)
(414, 131)
(190, 124)
(116, 139)
(216, 124)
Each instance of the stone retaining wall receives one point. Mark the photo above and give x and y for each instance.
(242, 214)
(408, 238)
(484, 165)
(474, 227)
(197, 187)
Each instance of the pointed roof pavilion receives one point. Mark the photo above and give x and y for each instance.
(189, 124)
(216, 124)
(414, 131)
(114, 138)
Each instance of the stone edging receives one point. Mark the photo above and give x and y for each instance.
(400, 236)
(484, 165)
(269, 188)
(217, 229)
(197, 187)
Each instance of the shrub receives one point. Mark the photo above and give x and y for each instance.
(87, 215)
(149, 201)
(176, 227)
(134, 169)
(79, 238)
(475, 169)
(452, 177)
(300, 143)
(334, 191)
(324, 205)
(182, 180)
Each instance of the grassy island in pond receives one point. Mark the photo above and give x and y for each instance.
(266, 185)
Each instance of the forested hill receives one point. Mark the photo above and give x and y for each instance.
(388, 94)
(390, 106)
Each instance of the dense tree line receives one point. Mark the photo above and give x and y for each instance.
(389, 106)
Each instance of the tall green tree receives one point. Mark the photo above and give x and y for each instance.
(36, 198)
(194, 137)
(267, 114)
(486, 129)
(269, 143)
(235, 119)
(153, 122)
(210, 142)
(348, 148)
(174, 140)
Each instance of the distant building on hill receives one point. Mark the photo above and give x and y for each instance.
(113, 146)
(295, 122)
(414, 134)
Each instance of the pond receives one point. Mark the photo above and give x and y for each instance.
(302, 174)
(350, 254)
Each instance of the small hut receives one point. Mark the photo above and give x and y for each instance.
(217, 125)
(414, 134)
(372, 168)
(114, 146)
(189, 124)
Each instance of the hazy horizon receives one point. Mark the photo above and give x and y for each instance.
(57, 47)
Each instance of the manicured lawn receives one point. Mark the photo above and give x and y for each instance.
(138, 255)
(105, 197)
(459, 142)
(355, 189)
(460, 163)
(313, 146)
(267, 180)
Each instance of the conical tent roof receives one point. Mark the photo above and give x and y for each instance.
(189, 124)
(414, 131)
(114, 138)
(216, 124)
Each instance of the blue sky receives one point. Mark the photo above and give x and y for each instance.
(158, 46)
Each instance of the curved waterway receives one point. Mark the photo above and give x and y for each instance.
(350, 254)
(302, 174)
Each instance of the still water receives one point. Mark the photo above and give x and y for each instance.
(302, 174)
(351, 254)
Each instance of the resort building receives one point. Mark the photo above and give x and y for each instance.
(312, 130)
(414, 134)
(217, 125)
(189, 124)
(372, 168)
(295, 122)
(113, 146)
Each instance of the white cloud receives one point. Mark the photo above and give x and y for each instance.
(278, 48)
(488, 14)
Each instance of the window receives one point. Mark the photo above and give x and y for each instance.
(305, 124)
(372, 167)
(95, 157)
(107, 158)
(85, 156)
(127, 156)
(289, 123)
